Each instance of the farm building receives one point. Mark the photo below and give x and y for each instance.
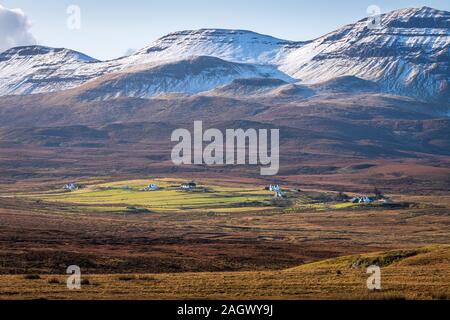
(277, 189)
(70, 187)
(274, 188)
(362, 199)
(189, 186)
(151, 187)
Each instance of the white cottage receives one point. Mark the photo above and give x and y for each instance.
(70, 187)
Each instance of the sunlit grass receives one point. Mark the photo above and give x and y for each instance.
(114, 196)
(422, 276)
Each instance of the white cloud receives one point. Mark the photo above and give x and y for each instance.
(14, 29)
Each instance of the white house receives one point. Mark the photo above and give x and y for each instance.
(151, 187)
(274, 188)
(277, 189)
(189, 186)
(362, 199)
(70, 187)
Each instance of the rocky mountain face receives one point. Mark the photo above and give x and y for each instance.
(408, 54)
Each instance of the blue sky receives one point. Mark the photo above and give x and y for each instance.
(110, 28)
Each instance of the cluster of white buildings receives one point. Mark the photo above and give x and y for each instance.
(362, 199)
(369, 200)
(277, 189)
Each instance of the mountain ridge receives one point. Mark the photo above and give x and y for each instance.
(409, 55)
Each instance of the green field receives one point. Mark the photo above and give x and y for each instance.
(209, 197)
(127, 196)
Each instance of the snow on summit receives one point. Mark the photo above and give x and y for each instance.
(408, 55)
(233, 45)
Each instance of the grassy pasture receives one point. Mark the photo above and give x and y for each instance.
(118, 196)
(126, 197)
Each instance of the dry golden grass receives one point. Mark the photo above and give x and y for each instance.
(44, 238)
(407, 274)
(229, 255)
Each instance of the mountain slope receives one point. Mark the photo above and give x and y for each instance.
(32, 69)
(408, 55)
(37, 69)
(248, 87)
(347, 84)
(193, 75)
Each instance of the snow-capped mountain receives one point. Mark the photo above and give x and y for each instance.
(409, 54)
(33, 69)
(192, 75)
(232, 45)
(37, 69)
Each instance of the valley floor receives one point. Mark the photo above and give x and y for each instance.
(248, 247)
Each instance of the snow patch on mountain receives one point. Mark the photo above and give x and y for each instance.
(232, 45)
(32, 69)
(192, 75)
(408, 55)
